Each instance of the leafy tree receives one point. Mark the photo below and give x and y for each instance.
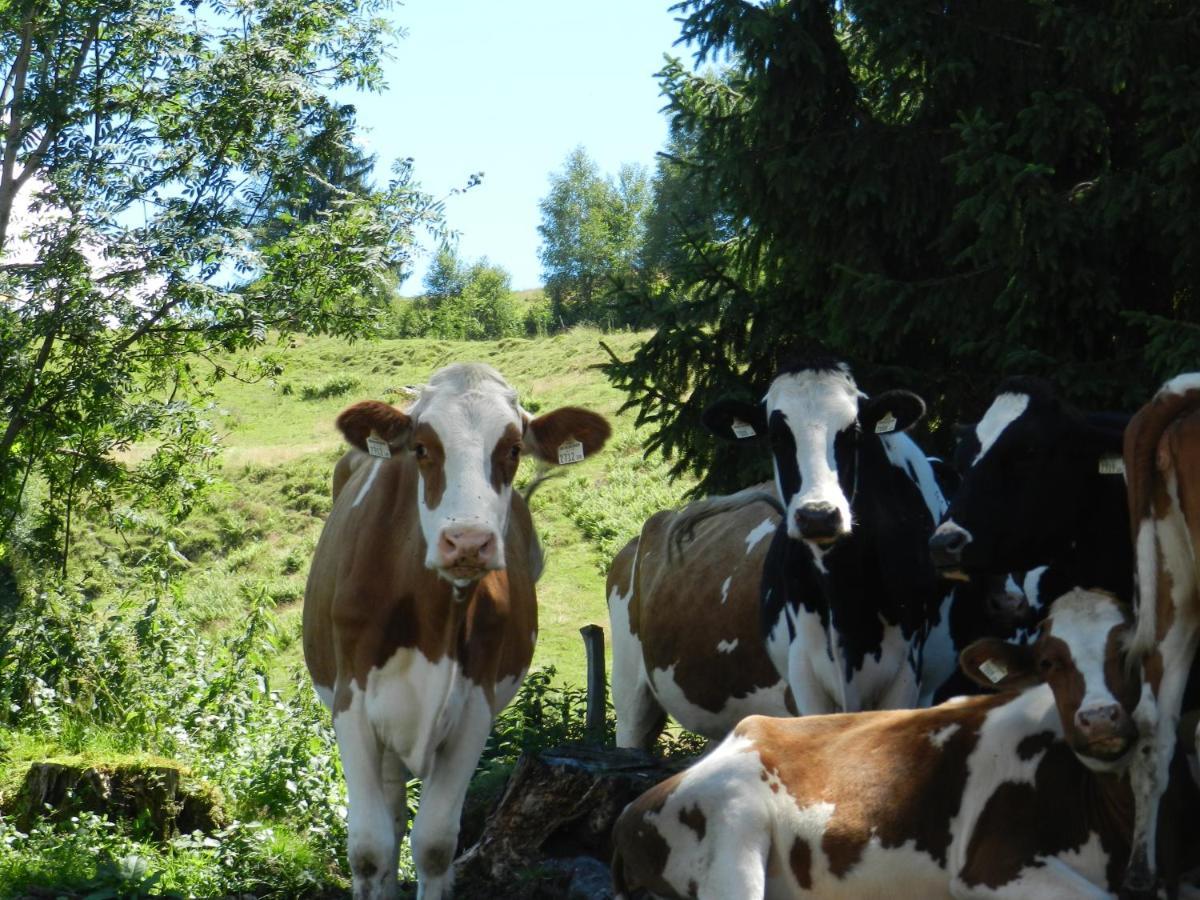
(142, 143)
(462, 302)
(943, 194)
(592, 233)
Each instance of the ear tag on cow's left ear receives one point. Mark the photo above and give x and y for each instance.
(993, 671)
(570, 451)
(379, 448)
(1111, 464)
(886, 425)
(742, 430)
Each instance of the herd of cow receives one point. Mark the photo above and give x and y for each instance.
(927, 680)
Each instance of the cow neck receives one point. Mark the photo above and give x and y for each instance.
(1101, 556)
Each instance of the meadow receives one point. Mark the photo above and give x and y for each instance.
(180, 645)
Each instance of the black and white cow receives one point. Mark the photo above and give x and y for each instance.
(851, 605)
(1041, 485)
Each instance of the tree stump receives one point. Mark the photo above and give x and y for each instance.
(550, 833)
(158, 796)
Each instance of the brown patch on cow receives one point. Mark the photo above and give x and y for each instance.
(504, 462)
(694, 819)
(1030, 746)
(800, 859)
(1022, 824)
(369, 593)
(550, 431)
(640, 852)
(431, 460)
(687, 587)
(357, 423)
(882, 774)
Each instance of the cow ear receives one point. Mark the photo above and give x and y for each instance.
(360, 421)
(735, 420)
(998, 665)
(1104, 436)
(890, 411)
(568, 434)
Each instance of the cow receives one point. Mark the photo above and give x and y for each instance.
(1162, 461)
(420, 613)
(685, 632)
(1018, 794)
(1040, 486)
(850, 605)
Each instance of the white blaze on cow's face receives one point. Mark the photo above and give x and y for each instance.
(806, 412)
(466, 438)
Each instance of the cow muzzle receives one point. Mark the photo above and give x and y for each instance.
(820, 523)
(1105, 733)
(466, 553)
(946, 547)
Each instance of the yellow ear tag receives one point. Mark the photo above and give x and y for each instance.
(742, 430)
(570, 451)
(886, 425)
(1111, 465)
(378, 448)
(993, 671)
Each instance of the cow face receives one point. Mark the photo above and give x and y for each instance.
(815, 420)
(466, 435)
(1079, 653)
(1025, 468)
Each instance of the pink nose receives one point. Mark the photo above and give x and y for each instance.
(469, 547)
(1102, 722)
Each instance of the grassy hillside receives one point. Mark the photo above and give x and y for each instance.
(256, 528)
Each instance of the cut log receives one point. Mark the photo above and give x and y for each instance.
(556, 814)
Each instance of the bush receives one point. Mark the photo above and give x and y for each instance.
(333, 387)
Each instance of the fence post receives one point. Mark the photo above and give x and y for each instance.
(597, 689)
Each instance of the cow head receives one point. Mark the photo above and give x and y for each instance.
(815, 419)
(466, 434)
(1079, 653)
(1025, 468)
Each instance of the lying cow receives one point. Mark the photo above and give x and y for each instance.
(420, 614)
(1013, 795)
(685, 627)
(849, 598)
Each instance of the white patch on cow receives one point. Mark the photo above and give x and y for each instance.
(1146, 549)
(1031, 587)
(906, 456)
(763, 529)
(1181, 384)
(413, 704)
(1005, 410)
(817, 405)
(1075, 618)
(727, 646)
(324, 694)
(938, 738)
(725, 588)
(952, 527)
(633, 698)
(469, 406)
(766, 701)
(939, 659)
(366, 488)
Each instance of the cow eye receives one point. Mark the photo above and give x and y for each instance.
(514, 452)
(419, 451)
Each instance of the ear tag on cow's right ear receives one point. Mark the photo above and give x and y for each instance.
(378, 448)
(742, 430)
(886, 425)
(570, 451)
(993, 671)
(1111, 464)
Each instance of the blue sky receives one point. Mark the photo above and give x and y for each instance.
(509, 89)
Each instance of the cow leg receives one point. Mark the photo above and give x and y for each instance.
(395, 778)
(640, 718)
(811, 698)
(372, 840)
(1157, 719)
(443, 790)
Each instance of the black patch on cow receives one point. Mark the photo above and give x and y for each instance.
(1031, 746)
(783, 448)
(694, 819)
(800, 860)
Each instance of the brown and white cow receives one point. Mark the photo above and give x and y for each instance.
(685, 627)
(420, 614)
(1012, 795)
(1162, 463)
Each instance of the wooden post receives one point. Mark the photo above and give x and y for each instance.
(597, 690)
